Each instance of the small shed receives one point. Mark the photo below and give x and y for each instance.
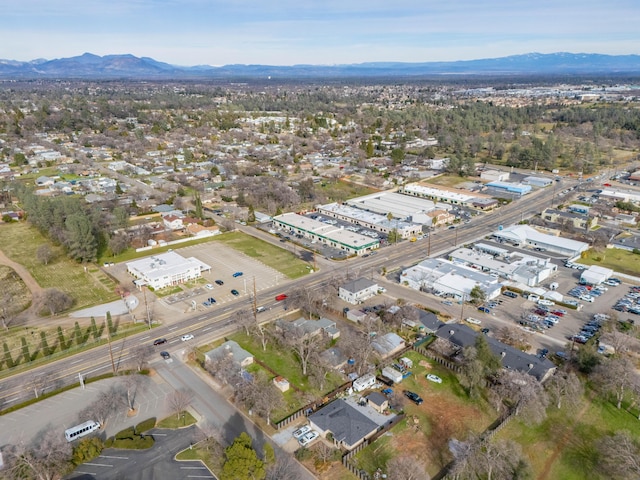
(281, 383)
(406, 362)
(378, 401)
(392, 374)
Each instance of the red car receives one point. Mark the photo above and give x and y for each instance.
(280, 297)
(557, 313)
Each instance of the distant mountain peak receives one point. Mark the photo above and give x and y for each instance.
(91, 66)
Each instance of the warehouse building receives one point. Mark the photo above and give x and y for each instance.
(334, 236)
(524, 235)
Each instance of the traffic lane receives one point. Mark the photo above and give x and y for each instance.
(155, 463)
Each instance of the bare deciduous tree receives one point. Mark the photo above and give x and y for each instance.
(224, 368)
(130, 384)
(619, 456)
(522, 393)
(619, 341)
(140, 355)
(47, 458)
(284, 468)
(564, 385)
(617, 377)
(179, 401)
(406, 468)
(259, 395)
(245, 319)
(303, 345)
(44, 254)
(490, 459)
(101, 408)
(55, 300)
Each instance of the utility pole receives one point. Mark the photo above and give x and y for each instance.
(113, 365)
(255, 299)
(429, 245)
(146, 306)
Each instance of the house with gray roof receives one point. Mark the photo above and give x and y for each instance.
(235, 351)
(388, 345)
(346, 423)
(357, 291)
(511, 358)
(322, 326)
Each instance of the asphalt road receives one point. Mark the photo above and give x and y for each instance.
(218, 320)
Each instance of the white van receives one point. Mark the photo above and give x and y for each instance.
(533, 298)
(260, 309)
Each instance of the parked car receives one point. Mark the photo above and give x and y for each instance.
(208, 286)
(307, 438)
(303, 430)
(159, 341)
(484, 309)
(510, 294)
(545, 302)
(211, 300)
(219, 282)
(165, 355)
(414, 397)
(186, 337)
(235, 292)
(433, 378)
(474, 321)
(447, 302)
(237, 274)
(587, 298)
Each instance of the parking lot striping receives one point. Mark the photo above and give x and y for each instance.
(99, 464)
(159, 434)
(193, 468)
(111, 456)
(199, 476)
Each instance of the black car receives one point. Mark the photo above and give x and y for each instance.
(235, 292)
(159, 341)
(165, 355)
(219, 282)
(414, 397)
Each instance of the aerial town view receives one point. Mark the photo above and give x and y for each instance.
(334, 269)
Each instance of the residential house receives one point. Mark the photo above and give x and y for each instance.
(230, 348)
(348, 426)
(461, 336)
(377, 401)
(357, 291)
(388, 345)
(173, 222)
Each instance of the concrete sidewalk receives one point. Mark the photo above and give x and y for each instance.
(61, 411)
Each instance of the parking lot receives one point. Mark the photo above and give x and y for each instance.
(224, 262)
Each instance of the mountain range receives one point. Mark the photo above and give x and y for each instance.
(127, 66)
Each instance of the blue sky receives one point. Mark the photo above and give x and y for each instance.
(287, 32)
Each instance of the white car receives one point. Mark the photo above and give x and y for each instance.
(545, 302)
(302, 431)
(307, 438)
(474, 321)
(186, 337)
(587, 298)
(434, 378)
(208, 286)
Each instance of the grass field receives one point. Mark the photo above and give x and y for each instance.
(277, 258)
(448, 180)
(619, 260)
(564, 445)
(344, 190)
(20, 242)
(177, 421)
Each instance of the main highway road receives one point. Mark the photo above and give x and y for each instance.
(218, 321)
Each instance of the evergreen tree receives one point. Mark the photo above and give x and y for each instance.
(241, 461)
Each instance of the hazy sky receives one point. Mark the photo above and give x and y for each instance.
(286, 32)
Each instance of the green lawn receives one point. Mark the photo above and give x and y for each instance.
(619, 260)
(19, 242)
(177, 421)
(344, 190)
(448, 180)
(571, 434)
(275, 257)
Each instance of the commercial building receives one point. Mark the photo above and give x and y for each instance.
(448, 279)
(537, 181)
(449, 195)
(494, 175)
(509, 187)
(403, 207)
(165, 269)
(595, 275)
(576, 220)
(327, 234)
(373, 221)
(623, 195)
(513, 266)
(522, 235)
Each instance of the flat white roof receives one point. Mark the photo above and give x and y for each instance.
(364, 216)
(526, 233)
(165, 264)
(437, 192)
(401, 206)
(325, 230)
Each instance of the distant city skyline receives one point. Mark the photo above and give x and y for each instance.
(287, 32)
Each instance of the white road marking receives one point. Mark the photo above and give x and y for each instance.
(205, 329)
(111, 456)
(99, 464)
(75, 361)
(172, 328)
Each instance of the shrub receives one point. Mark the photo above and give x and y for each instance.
(146, 425)
(87, 449)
